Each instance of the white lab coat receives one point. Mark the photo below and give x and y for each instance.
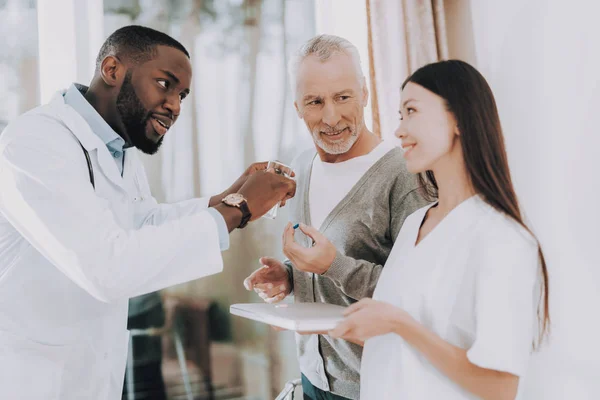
(71, 256)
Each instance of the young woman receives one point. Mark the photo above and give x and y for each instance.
(463, 297)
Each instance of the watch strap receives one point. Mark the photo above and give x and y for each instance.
(246, 215)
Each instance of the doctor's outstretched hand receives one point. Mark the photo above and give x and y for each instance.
(237, 185)
(263, 190)
(255, 167)
(316, 259)
(369, 318)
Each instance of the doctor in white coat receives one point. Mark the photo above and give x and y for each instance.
(80, 232)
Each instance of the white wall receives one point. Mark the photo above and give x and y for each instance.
(542, 59)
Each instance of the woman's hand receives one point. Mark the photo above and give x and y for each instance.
(369, 318)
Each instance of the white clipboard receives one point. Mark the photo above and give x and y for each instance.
(299, 317)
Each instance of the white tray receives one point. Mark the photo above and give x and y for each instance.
(299, 317)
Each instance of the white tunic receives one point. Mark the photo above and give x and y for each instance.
(473, 281)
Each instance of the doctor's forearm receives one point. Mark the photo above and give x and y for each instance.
(232, 215)
(453, 362)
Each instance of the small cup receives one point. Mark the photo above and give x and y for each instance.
(281, 169)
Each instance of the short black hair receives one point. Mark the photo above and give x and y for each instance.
(137, 44)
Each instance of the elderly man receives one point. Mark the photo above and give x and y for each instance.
(352, 187)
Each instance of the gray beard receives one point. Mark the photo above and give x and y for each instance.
(335, 148)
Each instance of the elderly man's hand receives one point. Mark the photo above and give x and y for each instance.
(316, 259)
(271, 281)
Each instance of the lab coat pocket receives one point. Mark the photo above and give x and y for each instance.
(30, 370)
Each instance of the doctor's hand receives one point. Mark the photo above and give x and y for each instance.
(369, 318)
(272, 281)
(316, 259)
(258, 166)
(263, 190)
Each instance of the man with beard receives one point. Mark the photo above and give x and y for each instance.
(80, 232)
(356, 190)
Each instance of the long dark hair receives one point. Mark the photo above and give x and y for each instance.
(469, 98)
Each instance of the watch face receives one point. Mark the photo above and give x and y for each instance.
(234, 199)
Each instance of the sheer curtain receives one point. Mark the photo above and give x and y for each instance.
(240, 111)
(403, 36)
(18, 58)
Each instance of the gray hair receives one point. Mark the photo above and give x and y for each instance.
(323, 46)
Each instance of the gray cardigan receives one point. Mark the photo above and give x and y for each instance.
(363, 228)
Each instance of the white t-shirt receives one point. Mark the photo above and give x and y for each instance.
(331, 182)
(473, 280)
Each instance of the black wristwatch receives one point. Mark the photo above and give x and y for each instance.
(237, 200)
